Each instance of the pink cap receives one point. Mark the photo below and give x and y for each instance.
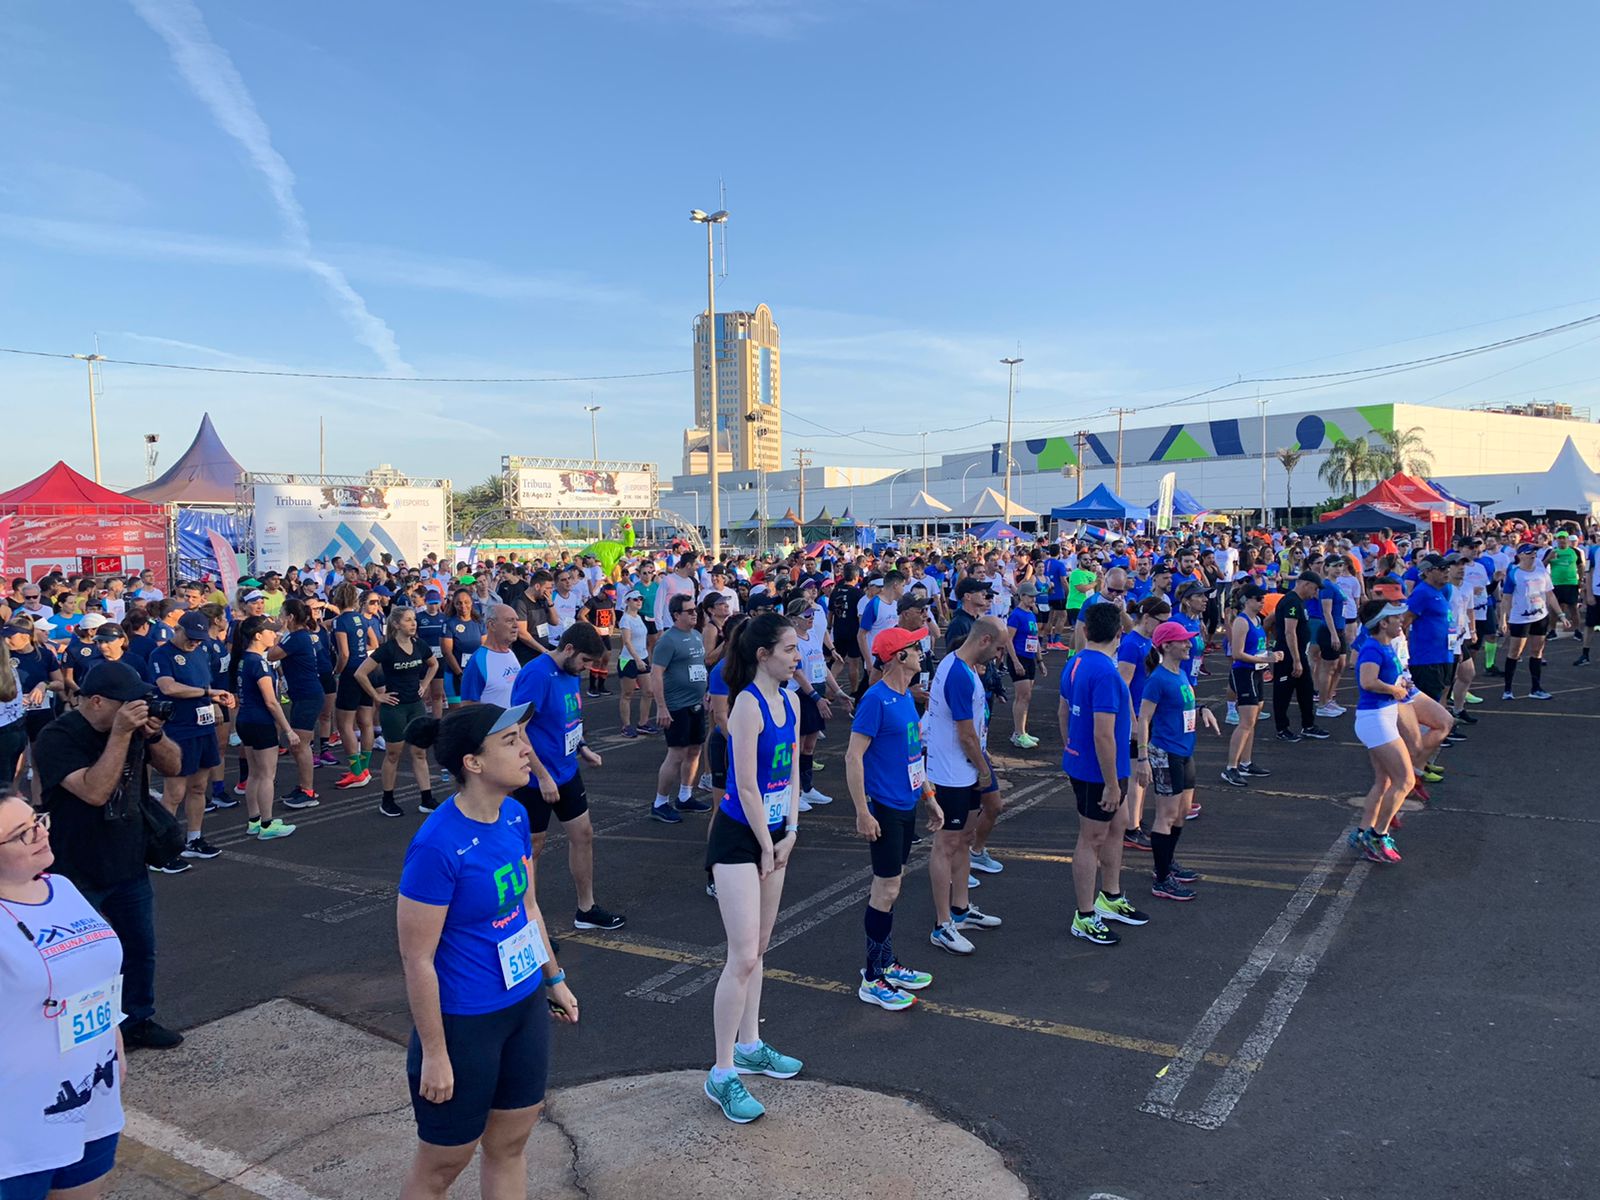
(1169, 631)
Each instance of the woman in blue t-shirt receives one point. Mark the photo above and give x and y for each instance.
(1166, 730)
(1249, 659)
(1132, 651)
(463, 634)
(1381, 692)
(476, 950)
(752, 835)
(299, 659)
(259, 723)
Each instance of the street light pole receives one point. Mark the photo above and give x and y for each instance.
(1011, 391)
(89, 361)
(709, 220)
(925, 480)
(594, 458)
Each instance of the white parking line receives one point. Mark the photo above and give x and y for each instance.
(1162, 1098)
(213, 1160)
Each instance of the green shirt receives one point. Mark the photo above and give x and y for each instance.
(1075, 598)
(1564, 566)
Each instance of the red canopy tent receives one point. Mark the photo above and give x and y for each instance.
(62, 521)
(1409, 497)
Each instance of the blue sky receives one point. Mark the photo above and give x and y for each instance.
(1147, 200)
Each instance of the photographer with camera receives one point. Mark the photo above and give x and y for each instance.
(104, 828)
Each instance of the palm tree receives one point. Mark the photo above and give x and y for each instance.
(1402, 451)
(1289, 457)
(1350, 460)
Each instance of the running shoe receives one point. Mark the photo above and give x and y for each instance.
(1136, 839)
(692, 805)
(1329, 710)
(1171, 889)
(238, 788)
(973, 881)
(1430, 774)
(1466, 718)
(630, 731)
(336, 739)
(1233, 778)
(380, 744)
(1582, 660)
(300, 798)
(649, 727)
(199, 848)
(764, 1060)
(1472, 699)
(1372, 847)
(1420, 792)
(705, 782)
(427, 806)
(947, 937)
(212, 805)
(1315, 731)
(1288, 735)
(1194, 813)
(1182, 873)
(906, 979)
(1540, 694)
(804, 805)
(815, 798)
(1508, 694)
(711, 890)
(599, 918)
(352, 780)
(1093, 929)
(1233, 717)
(233, 740)
(221, 800)
(1396, 823)
(326, 759)
(1355, 838)
(1455, 738)
(390, 808)
(275, 830)
(1251, 771)
(985, 862)
(884, 994)
(975, 918)
(1436, 768)
(1118, 910)
(1387, 849)
(174, 866)
(253, 829)
(737, 1104)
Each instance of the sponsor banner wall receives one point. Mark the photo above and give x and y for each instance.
(295, 523)
(99, 543)
(579, 488)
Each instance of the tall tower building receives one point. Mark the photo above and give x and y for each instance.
(749, 409)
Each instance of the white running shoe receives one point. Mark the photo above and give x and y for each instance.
(985, 862)
(948, 937)
(815, 797)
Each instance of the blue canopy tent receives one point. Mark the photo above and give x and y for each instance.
(1183, 505)
(995, 531)
(1472, 509)
(1102, 504)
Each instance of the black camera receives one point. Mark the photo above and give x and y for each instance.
(160, 708)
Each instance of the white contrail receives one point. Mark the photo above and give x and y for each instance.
(211, 73)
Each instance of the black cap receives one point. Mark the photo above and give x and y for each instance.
(907, 603)
(1310, 577)
(969, 585)
(1432, 562)
(115, 681)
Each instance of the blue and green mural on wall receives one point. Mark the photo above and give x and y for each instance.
(1196, 441)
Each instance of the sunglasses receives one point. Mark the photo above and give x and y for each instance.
(1116, 591)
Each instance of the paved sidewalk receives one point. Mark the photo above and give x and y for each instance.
(283, 1103)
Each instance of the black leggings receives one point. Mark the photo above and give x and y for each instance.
(717, 749)
(1287, 686)
(13, 741)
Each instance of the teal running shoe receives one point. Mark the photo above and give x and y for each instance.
(906, 979)
(766, 1061)
(276, 829)
(884, 994)
(737, 1104)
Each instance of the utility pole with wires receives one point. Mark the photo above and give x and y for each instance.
(924, 435)
(89, 361)
(1121, 412)
(802, 460)
(1083, 448)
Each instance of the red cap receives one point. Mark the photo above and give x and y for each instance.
(893, 640)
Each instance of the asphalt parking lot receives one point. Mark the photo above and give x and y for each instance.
(1313, 1026)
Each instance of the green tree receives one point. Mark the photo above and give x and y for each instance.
(1403, 451)
(1350, 460)
(1289, 457)
(473, 502)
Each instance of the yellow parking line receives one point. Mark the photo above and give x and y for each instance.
(1206, 877)
(1076, 1033)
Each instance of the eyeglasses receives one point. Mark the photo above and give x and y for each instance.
(1115, 591)
(29, 834)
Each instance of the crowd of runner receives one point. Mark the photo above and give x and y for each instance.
(476, 676)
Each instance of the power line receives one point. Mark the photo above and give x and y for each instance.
(127, 362)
